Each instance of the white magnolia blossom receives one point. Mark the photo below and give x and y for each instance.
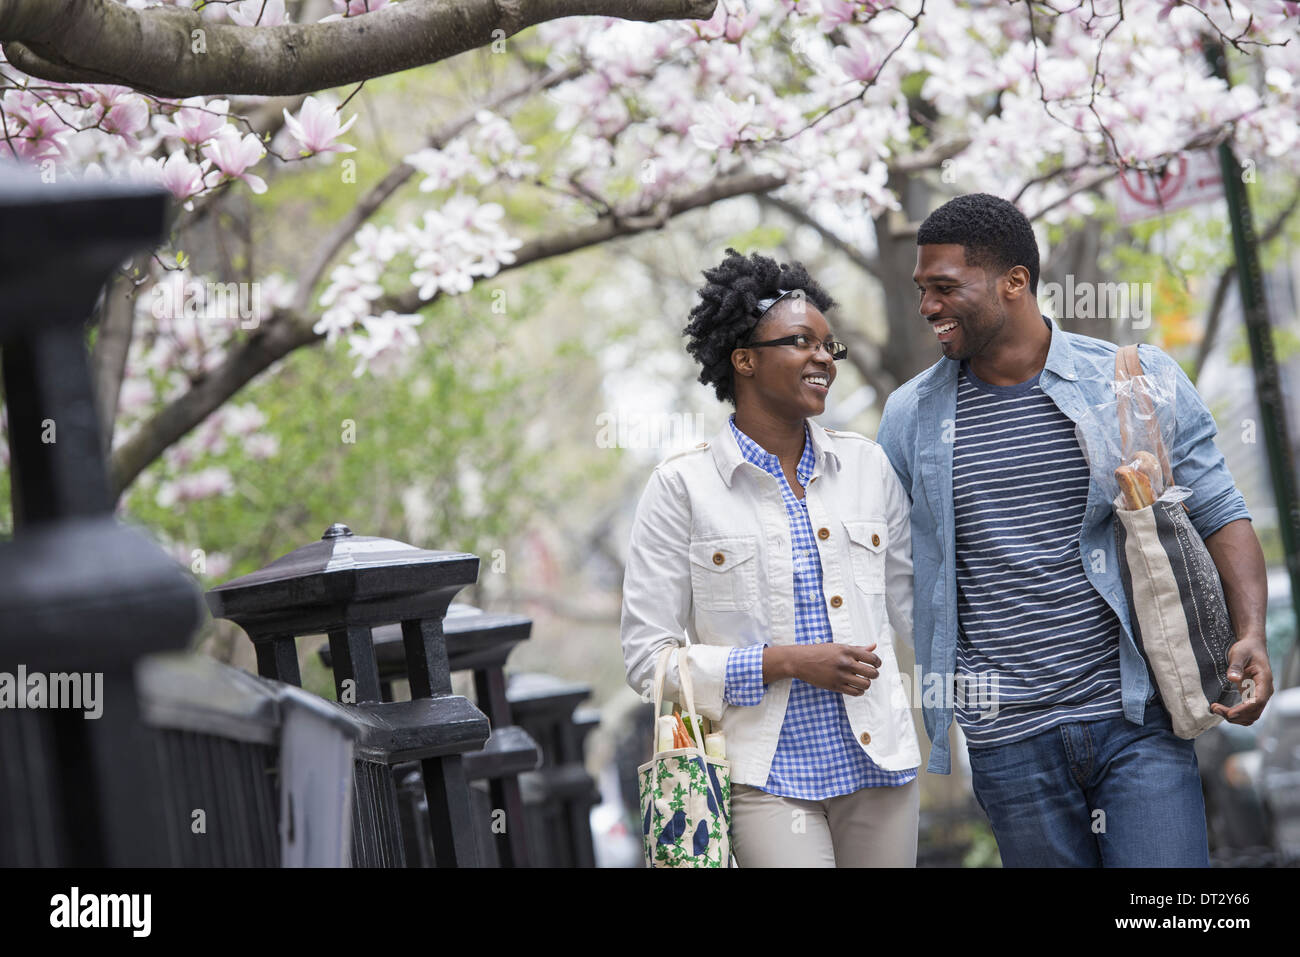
(353, 286)
(388, 339)
(461, 240)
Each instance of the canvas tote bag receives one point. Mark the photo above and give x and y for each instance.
(1176, 603)
(685, 793)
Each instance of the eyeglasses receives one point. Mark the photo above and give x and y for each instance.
(834, 348)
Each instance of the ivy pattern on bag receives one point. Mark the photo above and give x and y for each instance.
(686, 818)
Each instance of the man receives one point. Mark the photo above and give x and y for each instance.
(1017, 586)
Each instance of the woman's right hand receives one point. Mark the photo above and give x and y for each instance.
(847, 669)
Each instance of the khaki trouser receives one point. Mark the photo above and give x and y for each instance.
(872, 827)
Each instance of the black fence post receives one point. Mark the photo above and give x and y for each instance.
(80, 595)
(560, 794)
(343, 586)
(478, 642)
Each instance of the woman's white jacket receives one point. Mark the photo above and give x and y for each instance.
(709, 565)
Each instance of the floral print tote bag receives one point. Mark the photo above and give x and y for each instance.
(685, 793)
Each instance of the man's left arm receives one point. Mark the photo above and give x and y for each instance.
(1240, 560)
(1218, 512)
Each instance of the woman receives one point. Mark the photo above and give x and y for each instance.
(783, 550)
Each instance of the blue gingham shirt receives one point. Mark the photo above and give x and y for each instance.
(817, 755)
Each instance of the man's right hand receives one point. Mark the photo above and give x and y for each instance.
(847, 669)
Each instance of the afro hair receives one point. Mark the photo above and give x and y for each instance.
(723, 319)
(993, 233)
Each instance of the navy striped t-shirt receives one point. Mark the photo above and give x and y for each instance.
(1037, 644)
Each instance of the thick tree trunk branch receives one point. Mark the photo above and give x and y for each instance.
(157, 50)
(116, 321)
(288, 330)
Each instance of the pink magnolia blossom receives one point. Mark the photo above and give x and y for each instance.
(713, 27)
(724, 123)
(243, 420)
(258, 13)
(388, 338)
(191, 488)
(197, 121)
(740, 24)
(859, 60)
(181, 177)
(39, 141)
(43, 131)
(727, 23)
(376, 243)
(317, 127)
(99, 98)
(261, 446)
(353, 286)
(439, 272)
(127, 117)
(443, 167)
(354, 8)
(232, 155)
(136, 396)
(25, 106)
(836, 13)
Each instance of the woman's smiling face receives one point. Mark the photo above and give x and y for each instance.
(788, 381)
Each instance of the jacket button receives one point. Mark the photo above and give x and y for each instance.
(865, 737)
(719, 558)
(702, 445)
(836, 601)
(823, 533)
(875, 539)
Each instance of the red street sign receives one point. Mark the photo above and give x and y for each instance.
(1188, 179)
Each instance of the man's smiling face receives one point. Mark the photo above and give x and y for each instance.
(960, 302)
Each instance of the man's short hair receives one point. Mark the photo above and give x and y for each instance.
(994, 235)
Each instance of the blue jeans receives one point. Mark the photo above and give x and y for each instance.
(1102, 793)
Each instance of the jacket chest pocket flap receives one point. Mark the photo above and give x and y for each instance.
(867, 543)
(724, 573)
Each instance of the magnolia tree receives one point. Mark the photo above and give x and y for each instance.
(833, 111)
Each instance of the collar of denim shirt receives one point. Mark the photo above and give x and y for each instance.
(728, 457)
(1060, 362)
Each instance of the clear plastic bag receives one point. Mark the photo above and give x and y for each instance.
(1125, 441)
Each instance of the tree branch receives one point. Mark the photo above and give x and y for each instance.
(610, 227)
(274, 340)
(1090, 183)
(800, 215)
(173, 52)
(329, 247)
(929, 157)
(116, 323)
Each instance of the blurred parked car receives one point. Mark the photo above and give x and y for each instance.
(1251, 775)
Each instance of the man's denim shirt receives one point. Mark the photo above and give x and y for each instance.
(916, 432)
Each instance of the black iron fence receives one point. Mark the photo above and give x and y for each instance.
(116, 749)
